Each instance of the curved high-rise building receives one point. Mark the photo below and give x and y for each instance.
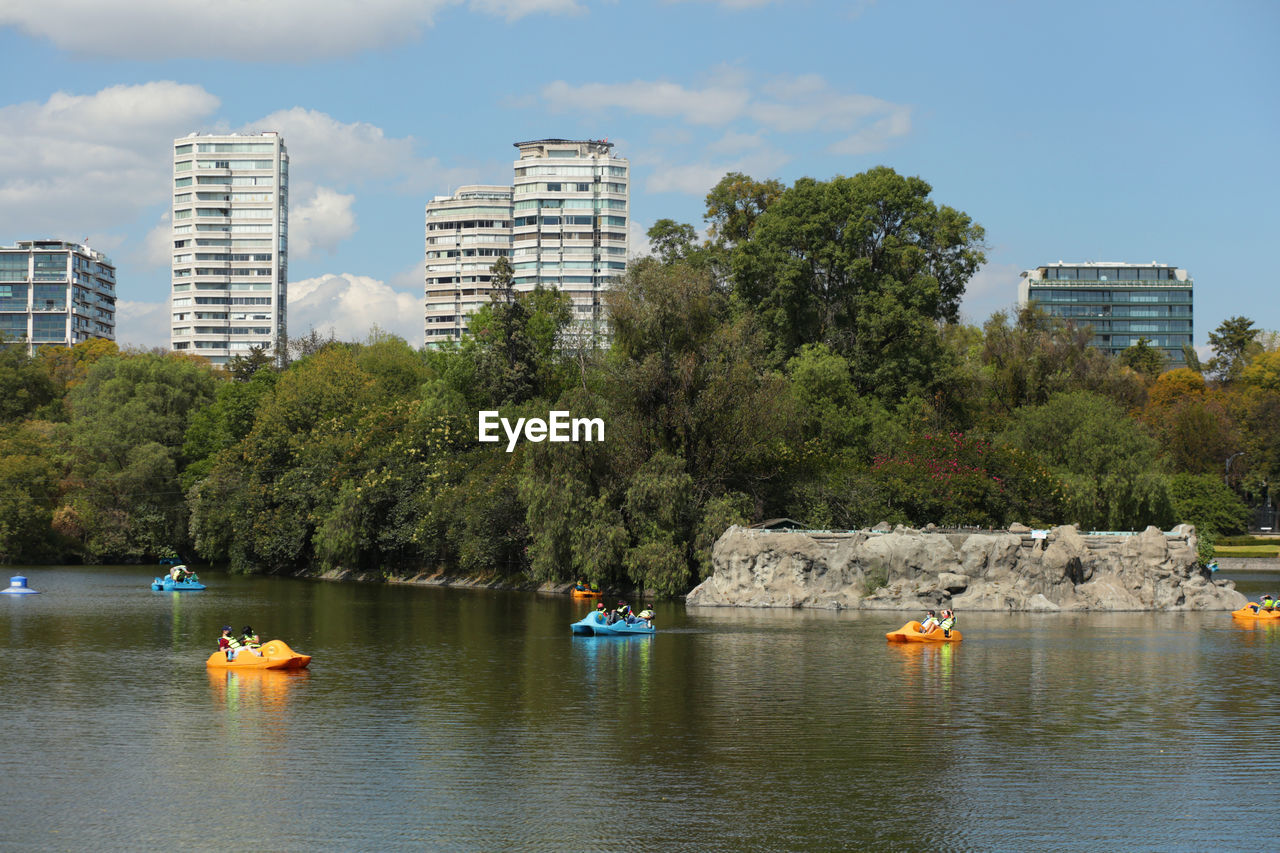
(563, 223)
(466, 233)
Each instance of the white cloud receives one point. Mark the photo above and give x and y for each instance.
(158, 245)
(752, 111)
(321, 222)
(699, 178)
(335, 152)
(513, 10)
(732, 4)
(79, 163)
(350, 305)
(877, 137)
(638, 239)
(716, 104)
(252, 30)
(994, 287)
(325, 150)
(787, 104)
(412, 278)
(733, 142)
(142, 324)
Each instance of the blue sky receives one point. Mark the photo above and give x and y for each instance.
(1117, 131)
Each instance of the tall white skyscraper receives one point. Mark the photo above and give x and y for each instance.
(54, 293)
(466, 233)
(565, 226)
(230, 245)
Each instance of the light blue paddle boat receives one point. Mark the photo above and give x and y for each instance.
(595, 624)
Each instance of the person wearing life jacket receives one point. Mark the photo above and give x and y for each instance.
(249, 639)
(930, 623)
(601, 614)
(620, 613)
(647, 616)
(948, 622)
(1268, 603)
(229, 643)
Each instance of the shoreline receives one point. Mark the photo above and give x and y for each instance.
(513, 583)
(1248, 564)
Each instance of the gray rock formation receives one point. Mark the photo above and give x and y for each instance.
(1018, 569)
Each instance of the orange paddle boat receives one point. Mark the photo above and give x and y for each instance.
(275, 654)
(911, 633)
(1248, 612)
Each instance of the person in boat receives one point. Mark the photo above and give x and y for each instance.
(1268, 603)
(647, 616)
(620, 613)
(228, 643)
(948, 622)
(580, 586)
(249, 639)
(930, 623)
(601, 614)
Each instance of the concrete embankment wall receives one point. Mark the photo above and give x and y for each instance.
(1010, 570)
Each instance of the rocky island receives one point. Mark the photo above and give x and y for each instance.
(1011, 570)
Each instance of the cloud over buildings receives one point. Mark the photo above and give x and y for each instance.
(350, 306)
(248, 30)
(755, 120)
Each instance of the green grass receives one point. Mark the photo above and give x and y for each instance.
(1249, 540)
(1246, 550)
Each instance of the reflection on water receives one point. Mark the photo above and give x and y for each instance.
(458, 720)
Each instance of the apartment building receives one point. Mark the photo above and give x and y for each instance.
(466, 233)
(566, 217)
(54, 293)
(230, 245)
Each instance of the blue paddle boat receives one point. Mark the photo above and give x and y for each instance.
(168, 584)
(595, 624)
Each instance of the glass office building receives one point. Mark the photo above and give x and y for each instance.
(1121, 302)
(54, 293)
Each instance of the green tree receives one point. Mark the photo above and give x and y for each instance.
(1109, 466)
(868, 265)
(1232, 342)
(25, 385)
(1028, 360)
(243, 367)
(672, 241)
(957, 480)
(736, 203)
(28, 494)
(513, 341)
(124, 452)
(1208, 503)
(1143, 358)
(224, 423)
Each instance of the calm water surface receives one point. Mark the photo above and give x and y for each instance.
(455, 720)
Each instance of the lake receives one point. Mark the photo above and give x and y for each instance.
(459, 720)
